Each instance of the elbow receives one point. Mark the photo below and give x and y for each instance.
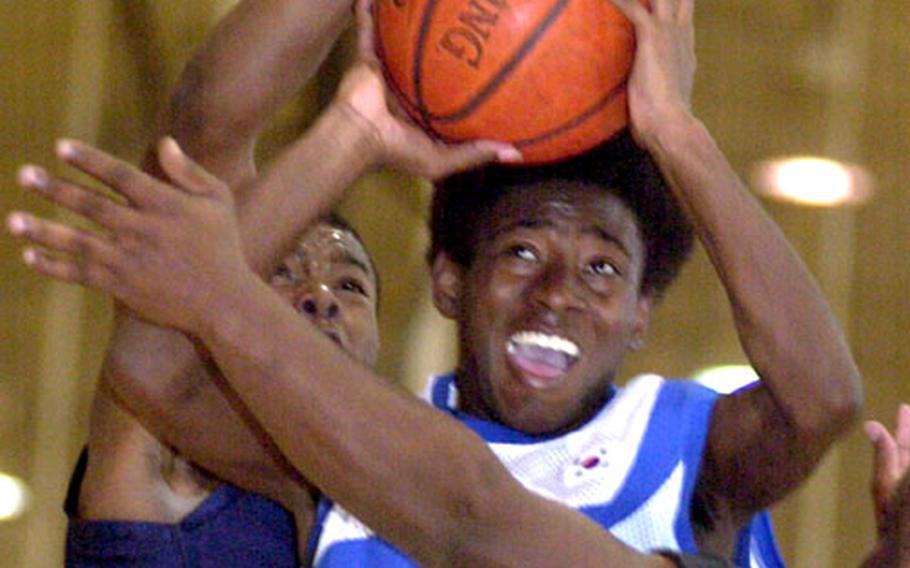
(125, 377)
(150, 374)
(837, 408)
(846, 404)
(198, 118)
(842, 398)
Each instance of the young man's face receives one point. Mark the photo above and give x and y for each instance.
(548, 307)
(330, 280)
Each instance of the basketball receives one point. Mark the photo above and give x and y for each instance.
(548, 76)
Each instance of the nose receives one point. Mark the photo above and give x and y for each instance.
(556, 287)
(318, 302)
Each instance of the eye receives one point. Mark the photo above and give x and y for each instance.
(522, 252)
(603, 268)
(354, 286)
(283, 274)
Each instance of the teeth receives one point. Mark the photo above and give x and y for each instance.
(546, 341)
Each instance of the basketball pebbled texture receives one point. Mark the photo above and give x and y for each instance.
(546, 75)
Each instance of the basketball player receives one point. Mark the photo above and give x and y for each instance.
(560, 273)
(133, 500)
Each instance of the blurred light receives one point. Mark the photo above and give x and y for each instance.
(14, 497)
(726, 378)
(813, 181)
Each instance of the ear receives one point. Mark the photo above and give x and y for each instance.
(447, 277)
(642, 320)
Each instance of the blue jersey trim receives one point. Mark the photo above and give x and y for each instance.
(699, 402)
(323, 507)
(492, 432)
(758, 539)
(369, 552)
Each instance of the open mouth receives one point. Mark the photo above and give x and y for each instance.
(542, 357)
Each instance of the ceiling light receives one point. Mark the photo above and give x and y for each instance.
(812, 181)
(14, 497)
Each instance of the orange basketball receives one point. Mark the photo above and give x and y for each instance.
(546, 75)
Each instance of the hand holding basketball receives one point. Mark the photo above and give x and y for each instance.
(399, 142)
(664, 69)
(546, 75)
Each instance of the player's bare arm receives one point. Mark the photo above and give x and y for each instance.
(809, 392)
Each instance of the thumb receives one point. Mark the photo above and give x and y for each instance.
(366, 32)
(884, 474)
(473, 154)
(183, 171)
(886, 454)
(631, 9)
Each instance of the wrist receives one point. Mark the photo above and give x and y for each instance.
(226, 314)
(352, 134)
(674, 133)
(661, 128)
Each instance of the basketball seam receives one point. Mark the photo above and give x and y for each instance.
(487, 90)
(565, 127)
(417, 75)
(389, 79)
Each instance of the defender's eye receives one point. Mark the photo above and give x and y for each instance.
(354, 286)
(283, 272)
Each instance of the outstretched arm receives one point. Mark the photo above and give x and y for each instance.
(766, 440)
(251, 64)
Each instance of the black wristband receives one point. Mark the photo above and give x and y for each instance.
(692, 561)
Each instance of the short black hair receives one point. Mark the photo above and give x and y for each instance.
(619, 166)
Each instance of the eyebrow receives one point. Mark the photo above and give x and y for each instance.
(605, 235)
(351, 259)
(594, 230)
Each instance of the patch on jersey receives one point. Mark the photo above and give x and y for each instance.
(588, 466)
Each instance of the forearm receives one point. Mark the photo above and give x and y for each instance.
(252, 63)
(784, 323)
(387, 457)
(305, 182)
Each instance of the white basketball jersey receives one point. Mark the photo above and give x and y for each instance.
(632, 468)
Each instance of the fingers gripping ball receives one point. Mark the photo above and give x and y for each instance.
(546, 75)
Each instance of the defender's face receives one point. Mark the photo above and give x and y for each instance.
(329, 279)
(548, 307)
